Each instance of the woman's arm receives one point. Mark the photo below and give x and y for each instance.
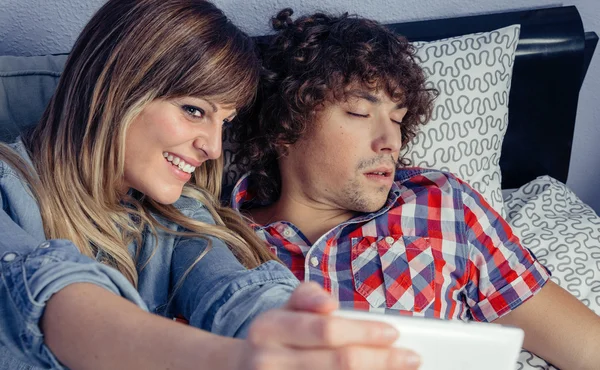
(31, 272)
(88, 327)
(558, 328)
(217, 294)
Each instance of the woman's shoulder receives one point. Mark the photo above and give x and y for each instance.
(193, 208)
(7, 172)
(9, 175)
(188, 205)
(16, 197)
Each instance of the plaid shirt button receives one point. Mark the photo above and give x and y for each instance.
(314, 261)
(389, 240)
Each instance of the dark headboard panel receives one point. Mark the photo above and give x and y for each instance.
(591, 41)
(551, 62)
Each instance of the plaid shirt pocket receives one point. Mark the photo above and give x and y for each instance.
(395, 272)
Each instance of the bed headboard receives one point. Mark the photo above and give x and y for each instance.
(552, 59)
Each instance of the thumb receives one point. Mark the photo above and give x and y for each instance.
(311, 297)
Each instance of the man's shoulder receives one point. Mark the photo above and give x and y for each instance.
(417, 177)
(414, 184)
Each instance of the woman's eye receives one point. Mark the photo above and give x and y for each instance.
(397, 122)
(193, 111)
(358, 115)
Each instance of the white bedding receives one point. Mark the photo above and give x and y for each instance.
(564, 234)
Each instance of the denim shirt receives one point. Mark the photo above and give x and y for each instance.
(218, 294)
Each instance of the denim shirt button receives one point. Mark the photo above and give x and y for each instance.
(45, 245)
(9, 257)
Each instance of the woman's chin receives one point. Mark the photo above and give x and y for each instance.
(165, 197)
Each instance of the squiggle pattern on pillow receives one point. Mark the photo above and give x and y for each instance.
(564, 234)
(473, 75)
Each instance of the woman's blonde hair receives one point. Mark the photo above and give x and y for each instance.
(131, 53)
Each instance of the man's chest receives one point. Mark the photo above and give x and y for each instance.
(395, 263)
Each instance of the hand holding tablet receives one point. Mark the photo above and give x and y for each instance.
(452, 345)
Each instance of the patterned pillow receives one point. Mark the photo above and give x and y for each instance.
(564, 234)
(473, 75)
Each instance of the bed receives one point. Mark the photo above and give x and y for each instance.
(497, 74)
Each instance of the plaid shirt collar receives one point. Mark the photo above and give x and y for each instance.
(242, 195)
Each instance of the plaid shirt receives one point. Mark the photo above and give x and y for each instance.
(436, 249)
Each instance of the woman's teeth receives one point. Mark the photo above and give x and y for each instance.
(179, 163)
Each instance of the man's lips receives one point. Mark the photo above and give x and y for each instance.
(380, 171)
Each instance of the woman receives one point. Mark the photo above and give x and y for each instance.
(114, 195)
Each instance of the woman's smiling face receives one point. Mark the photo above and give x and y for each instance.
(168, 140)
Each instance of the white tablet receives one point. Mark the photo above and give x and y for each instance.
(452, 345)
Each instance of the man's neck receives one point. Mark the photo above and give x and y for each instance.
(312, 219)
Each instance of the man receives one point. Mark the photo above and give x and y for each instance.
(329, 191)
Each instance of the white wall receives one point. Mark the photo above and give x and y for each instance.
(32, 27)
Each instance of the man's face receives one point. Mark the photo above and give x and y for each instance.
(347, 158)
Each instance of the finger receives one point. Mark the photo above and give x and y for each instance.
(347, 358)
(311, 297)
(355, 358)
(310, 330)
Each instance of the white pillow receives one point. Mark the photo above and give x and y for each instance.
(564, 234)
(473, 75)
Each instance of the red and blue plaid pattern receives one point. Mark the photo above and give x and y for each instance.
(436, 249)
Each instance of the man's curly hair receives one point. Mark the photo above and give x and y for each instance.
(311, 61)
